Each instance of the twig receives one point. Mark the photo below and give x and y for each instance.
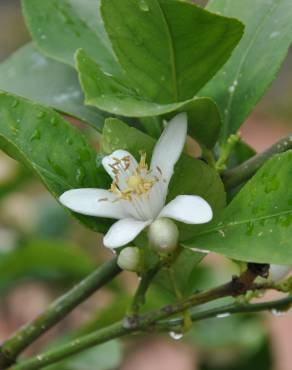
(246, 170)
(237, 286)
(139, 297)
(224, 311)
(11, 348)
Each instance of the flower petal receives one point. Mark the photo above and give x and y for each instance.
(190, 209)
(169, 147)
(115, 164)
(123, 232)
(94, 202)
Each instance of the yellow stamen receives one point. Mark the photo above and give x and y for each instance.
(137, 182)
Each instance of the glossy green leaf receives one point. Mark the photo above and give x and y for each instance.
(111, 95)
(207, 183)
(54, 150)
(256, 60)
(60, 27)
(168, 49)
(44, 259)
(29, 74)
(256, 226)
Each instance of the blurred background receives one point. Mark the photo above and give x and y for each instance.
(43, 252)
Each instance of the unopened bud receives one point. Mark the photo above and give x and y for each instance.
(131, 259)
(278, 272)
(163, 235)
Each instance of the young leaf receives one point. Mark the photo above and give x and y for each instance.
(256, 60)
(112, 95)
(29, 74)
(182, 268)
(256, 226)
(57, 152)
(168, 49)
(118, 135)
(59, 28)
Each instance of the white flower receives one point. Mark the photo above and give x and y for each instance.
(137, 195)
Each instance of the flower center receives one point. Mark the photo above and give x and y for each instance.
(131, 182)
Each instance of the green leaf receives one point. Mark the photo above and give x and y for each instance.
(29, 74)
(118, 135)
(50, 260)
(109, 94)
(256, 60)
(256, 226)
(106, 356)
(56, 151)
(168, 49)
(59, 28)
(182, 268)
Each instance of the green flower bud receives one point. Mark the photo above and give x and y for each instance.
(163, 235)
(131, 259)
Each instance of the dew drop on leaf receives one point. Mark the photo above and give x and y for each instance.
(41, 114)
(80, 175)
(54, 121)
(14, 103)
(250, 228)
(36, 135)
(223, 315)
(176, 336)
(143, 6)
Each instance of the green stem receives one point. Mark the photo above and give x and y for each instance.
(55, 312)
(139, 297)
(278, 305)
(38, 362)
(226, 151)
(246, 170)
(237, 286)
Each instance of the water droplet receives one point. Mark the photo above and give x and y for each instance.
(80, 175)
(54, 121)
(176, 336)
(277, 313)
(39, 357)
(35, 136)
(223, 315)
(231, 88)
(250, 228)
(57, 168)
(274, 34)
(41, 114)
(272, 185)
(143, 6)
(14, 103)
(221, 233)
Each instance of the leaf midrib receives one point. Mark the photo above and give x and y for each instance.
(172, 55)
